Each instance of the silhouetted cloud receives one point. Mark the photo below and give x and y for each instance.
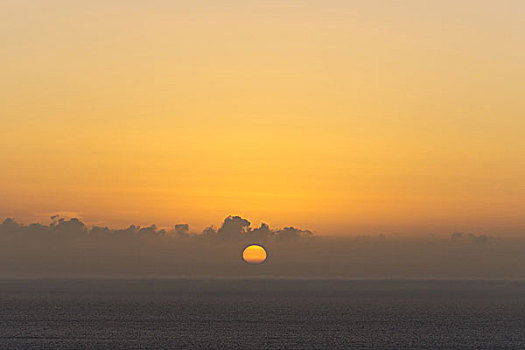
(481, 239)
(68, 226)
(292, 233)
(67, 247)
(233, 228)
(182, 229)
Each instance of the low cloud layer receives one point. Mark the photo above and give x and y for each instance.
(234, 228)
(68, 248)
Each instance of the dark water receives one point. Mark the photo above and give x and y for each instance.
(261, 314)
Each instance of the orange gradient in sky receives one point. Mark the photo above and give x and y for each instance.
(254, 254)
(343, 117)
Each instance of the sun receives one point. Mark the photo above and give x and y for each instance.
(254, 254)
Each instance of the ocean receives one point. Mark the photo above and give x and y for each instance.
(261, 314)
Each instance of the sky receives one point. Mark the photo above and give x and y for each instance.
(340, 117)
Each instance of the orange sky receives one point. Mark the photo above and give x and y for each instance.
(343, 117)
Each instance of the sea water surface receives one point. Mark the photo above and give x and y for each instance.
(261, 314)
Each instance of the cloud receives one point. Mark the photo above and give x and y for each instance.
(68, 248)
(233, 228)
(480, 239)
(236, 228)
(182, 229)
(292, 233)
(68, 226)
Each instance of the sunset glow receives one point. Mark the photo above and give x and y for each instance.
(262, 174)
(345, 117)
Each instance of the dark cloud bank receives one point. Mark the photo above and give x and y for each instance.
(68, 248)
